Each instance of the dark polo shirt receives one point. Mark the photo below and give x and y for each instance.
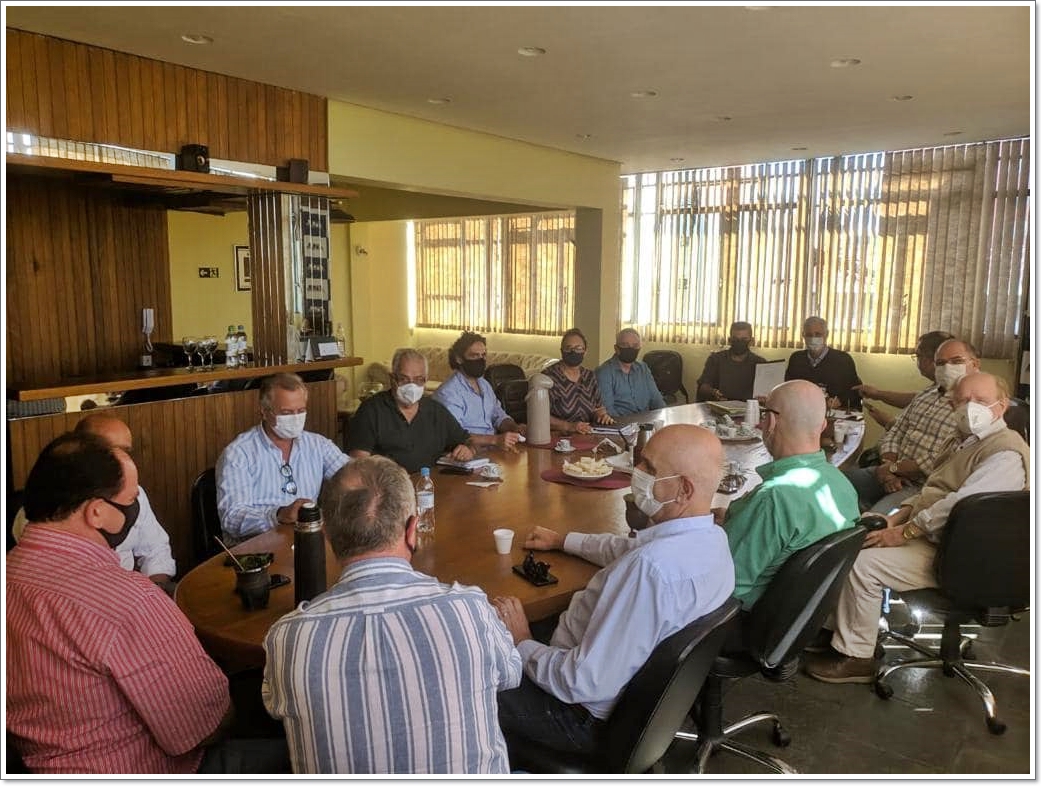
(836, 371)
(379, 427)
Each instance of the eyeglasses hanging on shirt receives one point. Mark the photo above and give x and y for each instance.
(290, 486)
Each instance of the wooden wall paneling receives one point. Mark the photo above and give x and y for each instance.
(113, 128)
(68, 288)
(134, 110)
(25, 62)
(15, 96)
(267, 259)
(43, 85)
(82, 88)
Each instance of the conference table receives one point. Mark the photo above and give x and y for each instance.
(462, 547)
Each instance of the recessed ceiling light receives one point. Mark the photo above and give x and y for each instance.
(723, 118)
(844, 62)
(531, 51)
(643, 94)
(582, 137)
(799, 148)
(676, 160)
(901, 98)
(952, 133)
(196, 38)
(439, 100)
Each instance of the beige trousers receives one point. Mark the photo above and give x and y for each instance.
(856, 621)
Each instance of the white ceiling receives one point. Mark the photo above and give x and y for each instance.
(968, 69)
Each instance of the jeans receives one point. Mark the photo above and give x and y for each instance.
(871, 495)
(528, 713)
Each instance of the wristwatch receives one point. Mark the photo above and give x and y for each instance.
(893, 468)
(911, 532)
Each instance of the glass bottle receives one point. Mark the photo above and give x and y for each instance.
(341, 340)
(231, 354)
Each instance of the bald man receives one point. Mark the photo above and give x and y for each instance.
(985, 456)
(147, 547)
(802, 498)
(673, 572)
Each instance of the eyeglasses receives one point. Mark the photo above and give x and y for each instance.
(955, 361)
(401, 379)
(765, 410)
(290, 486)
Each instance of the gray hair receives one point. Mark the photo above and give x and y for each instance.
(626, 332)
(407, 353)
(284, 381)
(366, 505)
(815, 321)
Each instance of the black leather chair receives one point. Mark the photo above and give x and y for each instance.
(1018, 418)
(498, 373)
(511, 395)
(651, 708)
(667, 369)
(784, 620)
(205, 521)
(983, 568)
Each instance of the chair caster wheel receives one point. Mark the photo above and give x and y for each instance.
(883, 690)
(780, 737)
(995, 726)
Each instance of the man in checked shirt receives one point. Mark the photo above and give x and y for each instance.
(910, 447)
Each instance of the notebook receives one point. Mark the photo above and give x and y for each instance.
(474, 463)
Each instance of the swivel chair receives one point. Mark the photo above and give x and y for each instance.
(983, 566)
(511, 395)
(667, 369)
(205, 520)
(1018, 418)
(650, 708)
(782, 622)
(498, 373)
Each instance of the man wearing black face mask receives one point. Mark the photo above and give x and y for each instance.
(104, 673)
(729, 374)
(626, 384)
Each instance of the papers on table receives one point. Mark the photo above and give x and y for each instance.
(768, 375)
(732, 408)
(474, 463)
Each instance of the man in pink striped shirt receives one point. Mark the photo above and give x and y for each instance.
(104, 673)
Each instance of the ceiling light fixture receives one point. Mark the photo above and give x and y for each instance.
(799, 148)
(531, 51)
(643, 94)
(582, 137)
(723, 118)
(439, 101)
(952, 133)
(676, 160)
(901, 98)
(844, 62)
(196, 38)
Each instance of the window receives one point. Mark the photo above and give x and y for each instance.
(505, 274)
(884, 246)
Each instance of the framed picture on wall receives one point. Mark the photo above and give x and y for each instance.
(242, 268)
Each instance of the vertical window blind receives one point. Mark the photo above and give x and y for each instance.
(506, 274)
(884, 246)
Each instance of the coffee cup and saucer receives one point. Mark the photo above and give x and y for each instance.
(564, 445)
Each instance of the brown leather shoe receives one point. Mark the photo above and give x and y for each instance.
(822, 642)
(837, 668)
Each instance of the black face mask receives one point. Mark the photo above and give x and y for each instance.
(627, 354)
(739, 346)
(130, 513)
(474, 368)
(573, 359)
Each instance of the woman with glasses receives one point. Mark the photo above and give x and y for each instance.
(575, 399)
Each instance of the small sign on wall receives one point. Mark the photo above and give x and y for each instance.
(242, 268)
(316, 289)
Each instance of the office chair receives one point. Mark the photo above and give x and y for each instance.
(511, 395)
(650, 709)
(667, 369)
(205, 521)
(983, 567)
(784, 620)
(498, 373)
(1018, 418)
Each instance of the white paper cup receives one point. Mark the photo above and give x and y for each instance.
(840, 431)
(752, 412)
(504, 540)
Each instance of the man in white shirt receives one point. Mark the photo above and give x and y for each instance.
(147, 546)
(985, 456)
(673, 572)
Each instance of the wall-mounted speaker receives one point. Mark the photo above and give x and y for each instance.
(194, 158)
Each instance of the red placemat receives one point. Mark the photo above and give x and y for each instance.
(616, 480)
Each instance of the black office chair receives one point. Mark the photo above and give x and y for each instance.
(667, 369)
(205, 521)
(1018, 418)
(498, 373)
(15, 765)
(784, 620)
(511, 395)
(983, 566)
(651, 708)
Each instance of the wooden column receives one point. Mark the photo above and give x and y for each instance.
(270, 250)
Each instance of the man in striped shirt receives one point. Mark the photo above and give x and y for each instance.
(266, 474)
(104, 673)
(389, 671)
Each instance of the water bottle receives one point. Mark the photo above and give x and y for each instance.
(309, 554)
(240, 347)
(425, 501)
(231, 354)
(341, 340)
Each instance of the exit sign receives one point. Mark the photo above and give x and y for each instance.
(209, 272)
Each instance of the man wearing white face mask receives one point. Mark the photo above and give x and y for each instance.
(984, 456)
(266, 474)
(651, 586)
(825, 366)
(403, 424)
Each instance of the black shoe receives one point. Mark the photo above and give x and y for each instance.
(822, 642)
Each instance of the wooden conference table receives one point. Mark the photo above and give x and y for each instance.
(462, 548)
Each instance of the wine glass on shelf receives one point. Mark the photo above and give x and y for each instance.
(190, 345)
(207, 346)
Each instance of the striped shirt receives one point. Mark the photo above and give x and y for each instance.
(921, 429)
(573, 401)
(104, 673)
(477, 413)
(250, 482)
(390, 671)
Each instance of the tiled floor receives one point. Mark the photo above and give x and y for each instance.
(933, 724)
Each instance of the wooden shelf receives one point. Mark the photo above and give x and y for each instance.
(163, 180)
(163, 377)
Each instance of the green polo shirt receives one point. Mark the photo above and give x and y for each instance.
(380, 427)
(801, 500)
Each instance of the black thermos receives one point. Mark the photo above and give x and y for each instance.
(309, 554)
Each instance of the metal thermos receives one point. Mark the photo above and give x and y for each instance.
(309, 554)
(642, 439)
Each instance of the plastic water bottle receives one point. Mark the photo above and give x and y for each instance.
(425, 501)
(309, 554)
(240, 347)
(341, 340)
(231, 353)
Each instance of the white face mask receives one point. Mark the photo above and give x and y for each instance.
(814, 342)
(972, 417)
(289, 426)
(643, 486)
(946, 376)
(408, 394)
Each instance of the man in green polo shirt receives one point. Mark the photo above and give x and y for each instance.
(802, 498)
(403, 424)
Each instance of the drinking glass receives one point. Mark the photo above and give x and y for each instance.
(208, 346)
(190, 345)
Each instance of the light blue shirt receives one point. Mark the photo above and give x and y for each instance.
(249, 478)
(626, 394)
(477, 413)
(391, 671)
(667, 577)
